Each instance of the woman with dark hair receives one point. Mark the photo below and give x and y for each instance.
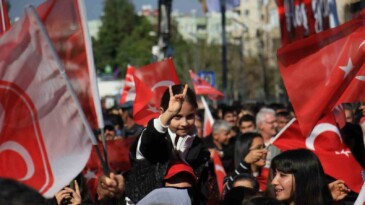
(297, 178)
(249, 157)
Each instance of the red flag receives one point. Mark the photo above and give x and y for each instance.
(326, 70)
(64, 23)
(4, 18)
(118, 158)
(302, 18)
(219, 171)
(202, 87)
(326, 142)
(129, 89)
(151, 82)
(39, 118)
(208, 119)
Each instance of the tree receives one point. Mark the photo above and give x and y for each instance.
(117, 23)
(136, 48)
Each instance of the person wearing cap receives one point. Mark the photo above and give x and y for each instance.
(130, 128)
(179, 182)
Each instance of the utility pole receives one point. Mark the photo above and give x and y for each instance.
(224, 47)
(163, 48)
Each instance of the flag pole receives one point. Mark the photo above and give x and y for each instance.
(93, 81)
(224, 46)
(361, 197)
(61, 68)
(4, 17)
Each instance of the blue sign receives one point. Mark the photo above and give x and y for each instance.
(208, 76)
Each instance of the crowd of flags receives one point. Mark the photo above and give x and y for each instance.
(50, 103)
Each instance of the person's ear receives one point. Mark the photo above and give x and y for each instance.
(161, 110)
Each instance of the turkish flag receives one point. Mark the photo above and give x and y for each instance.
(326, 142)
(129, 89)
(63, 21)
(326, 70)
(208, 119)
(43, 140)
(118, 158)
(219, 171)
(151, 82)
(4, 17)
(202, 87)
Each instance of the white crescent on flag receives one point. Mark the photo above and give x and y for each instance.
(319, 129)
(19, 149)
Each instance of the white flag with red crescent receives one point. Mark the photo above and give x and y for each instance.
(43, 140)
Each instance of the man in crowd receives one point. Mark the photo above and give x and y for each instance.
(130, 128)
(266, 123)
(247, 124)
(219, 142)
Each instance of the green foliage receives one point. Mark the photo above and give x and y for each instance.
(136, 48)
(123, 37)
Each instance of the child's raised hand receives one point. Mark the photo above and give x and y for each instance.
(176, 101)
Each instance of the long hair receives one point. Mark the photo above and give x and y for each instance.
(310, 181)
(242, 146)
(176, 89)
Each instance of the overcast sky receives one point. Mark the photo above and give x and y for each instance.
(95, 7)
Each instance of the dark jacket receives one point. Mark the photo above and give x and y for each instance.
(157, 149)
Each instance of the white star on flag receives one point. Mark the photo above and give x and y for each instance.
(347, 68)
(346, 153)
(361, 77)
(90, 175)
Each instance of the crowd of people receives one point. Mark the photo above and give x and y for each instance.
(170, 161)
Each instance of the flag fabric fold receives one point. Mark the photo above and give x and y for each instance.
(63, 21)
(151, 81)
(317, 78)
(43, 139)
(202, 87)
(129, 89)
(326, 142)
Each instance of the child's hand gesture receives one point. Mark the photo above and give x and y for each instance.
(175, 104)
(176, 101)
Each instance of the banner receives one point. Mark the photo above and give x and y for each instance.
(302, 18)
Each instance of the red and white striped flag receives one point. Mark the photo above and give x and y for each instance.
(4, 17)
(44, 140)
(65, 22)
(129, 88)
(208, 119)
